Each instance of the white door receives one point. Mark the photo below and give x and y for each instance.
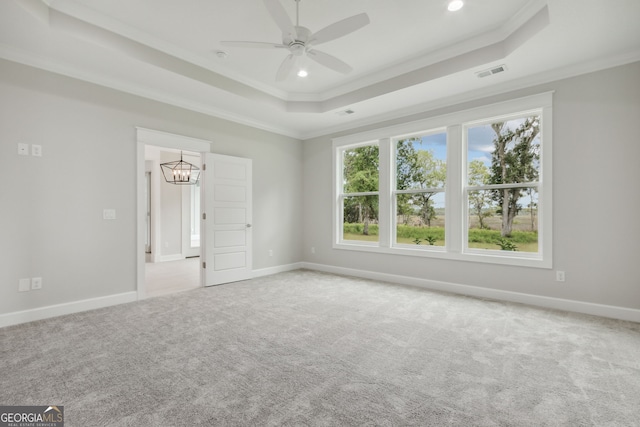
(227, 217)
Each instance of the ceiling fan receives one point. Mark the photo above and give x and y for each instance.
(300, 41)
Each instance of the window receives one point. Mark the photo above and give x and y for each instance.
(473, 185)
(359, 193)
(420, 178)
(503, 168)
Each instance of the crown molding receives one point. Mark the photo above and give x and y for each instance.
(46, 64)
(84, 22)
(506, 87)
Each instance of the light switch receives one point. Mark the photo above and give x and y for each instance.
(23, 149)
(109, 214)
(24, 285)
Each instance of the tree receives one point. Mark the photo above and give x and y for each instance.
(418, 169)
(406, 174)
(432, 173)
(514, 160)
(478, 200)
(361, 172)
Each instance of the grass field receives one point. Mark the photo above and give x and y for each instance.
(524, 239)
(521, 247)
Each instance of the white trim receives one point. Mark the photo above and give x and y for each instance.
(610, 311)
(171, 140)
(47, 312)
(277, 269)
(602, 310)
(482, 113)
(40, 313)
(159, 138)
(455, 124)
(480, 93)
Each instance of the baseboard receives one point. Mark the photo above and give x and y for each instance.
(614, 312)
(66, 308)
(277, 269)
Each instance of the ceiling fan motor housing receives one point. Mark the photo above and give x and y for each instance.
(297, 43)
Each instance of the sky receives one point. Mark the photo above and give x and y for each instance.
(480, 142)
(479, 146)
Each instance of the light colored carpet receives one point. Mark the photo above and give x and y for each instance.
(162, 278)
(306, 348)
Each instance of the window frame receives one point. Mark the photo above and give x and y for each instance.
(342, 195)
(395, 192)
(456, 188)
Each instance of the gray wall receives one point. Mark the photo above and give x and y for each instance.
(596, 153)
(51, 207)
(170, 213)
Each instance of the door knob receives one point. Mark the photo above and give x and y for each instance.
(248, 225)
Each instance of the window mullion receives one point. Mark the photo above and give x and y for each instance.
(385, 212)
(455, 211)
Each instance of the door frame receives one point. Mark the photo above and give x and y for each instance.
(158, 138)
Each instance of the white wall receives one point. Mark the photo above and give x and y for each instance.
(170, 214)
(596, 157)
(51, 207)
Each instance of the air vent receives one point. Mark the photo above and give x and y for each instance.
(345, 112)
(491, 71)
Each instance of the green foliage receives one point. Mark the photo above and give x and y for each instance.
(417, 170)
(483, 235)
(506, 244)
(477, 235)
(434, 234)
(358, 228)
(515, 159)
(478, 175)
(422, 233)
(361, 174)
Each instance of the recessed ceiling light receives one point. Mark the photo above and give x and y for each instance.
(455, 5)
(303, 73)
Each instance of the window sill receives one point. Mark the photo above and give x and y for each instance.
(520, 259)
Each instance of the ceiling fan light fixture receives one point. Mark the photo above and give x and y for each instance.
(303, 73)
(455, 5)
(301, 42)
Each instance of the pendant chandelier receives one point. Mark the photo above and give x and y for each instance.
(180, 172)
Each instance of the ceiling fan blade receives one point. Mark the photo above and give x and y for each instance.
(280, 16)
(259, 45)
(340, 28)
(285, 68)
(329, 61)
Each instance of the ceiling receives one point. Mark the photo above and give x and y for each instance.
(413, 55)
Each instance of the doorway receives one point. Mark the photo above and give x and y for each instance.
(173, 226)
(168, 247)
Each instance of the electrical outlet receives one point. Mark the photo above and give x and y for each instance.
(36, 283)
(559, 276)
(36, 150)
(313, 250)
(270, 252)
(24, 285)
